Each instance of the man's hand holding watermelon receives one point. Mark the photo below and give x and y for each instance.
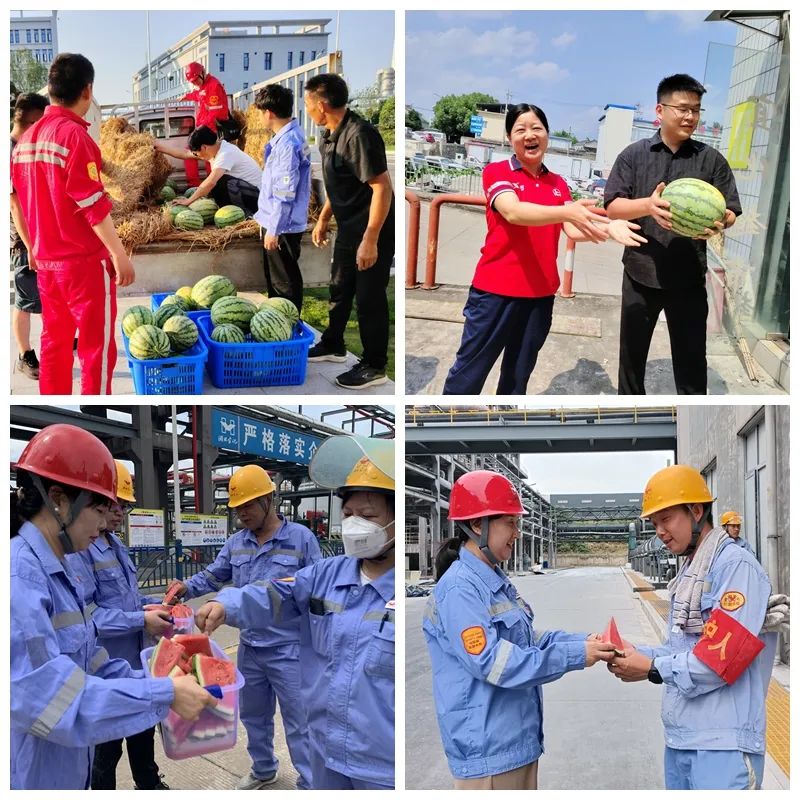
(209, 617)
(730, 218)
(658, 209)
(157, 623)
(190, 698)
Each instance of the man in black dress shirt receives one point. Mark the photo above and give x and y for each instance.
(669, 271)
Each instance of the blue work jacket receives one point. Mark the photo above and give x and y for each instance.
(66, 693)
(743, 543)
(111, 590)
(346, 658)
(242, 561)
(488, 668)
(699, 710)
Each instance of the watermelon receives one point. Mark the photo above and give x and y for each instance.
(176, 300)
(167, 194)
(186, 293)
(269, 325)
(228, 334)
(175, 672)
(188, 220)
(135, 317)
(228, 215)
(213, 671)
(182, 332)
(171, 211)
(181, 611)
(165, 311)
(194, 643)
(233, 311)
(206, 208)
(694, 205)
(211, 288)
(285, 306)
(165, 657)
(149, 342)
(190, 191)
(172, 183)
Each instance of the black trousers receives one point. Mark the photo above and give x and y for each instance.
(686, 311)
(282, 268)
(141, 757)
(230, 191)
(368, 288)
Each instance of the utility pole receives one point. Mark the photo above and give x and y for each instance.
(508, 97)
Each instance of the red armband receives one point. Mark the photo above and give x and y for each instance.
(727, 647)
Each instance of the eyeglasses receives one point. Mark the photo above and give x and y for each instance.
(123, 508)
(683, 111)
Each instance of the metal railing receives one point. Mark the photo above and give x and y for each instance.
(653, 560)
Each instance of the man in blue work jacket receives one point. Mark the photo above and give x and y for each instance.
(285, 194)
(732, 523)
(716, 662)
(269, 547)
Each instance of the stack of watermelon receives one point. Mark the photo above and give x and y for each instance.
(236, 320)
(160, 334)
(204, 211)
(187, 654)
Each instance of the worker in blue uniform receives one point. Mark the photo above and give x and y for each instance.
(269, 547)
(111, 591)
(66, 694)
(716, 662)
(345, 608)
(732, 522)
(488, 661)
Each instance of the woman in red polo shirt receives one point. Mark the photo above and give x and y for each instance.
(510, 303)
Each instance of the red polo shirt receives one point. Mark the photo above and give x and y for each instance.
(520, 260)
(212, 102)
(55, 173)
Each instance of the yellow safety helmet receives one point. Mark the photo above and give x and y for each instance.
(674, 486)
(248, 483)
(366, 477)
(124, 483)
(730, 518)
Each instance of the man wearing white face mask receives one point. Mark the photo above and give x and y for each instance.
(345, 607)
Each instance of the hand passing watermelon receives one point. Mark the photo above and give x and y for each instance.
(175, 590)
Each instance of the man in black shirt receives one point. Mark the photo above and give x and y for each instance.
(360, 197)
(669, 271)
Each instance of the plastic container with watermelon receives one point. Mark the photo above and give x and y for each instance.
(182, 616)
(215, 729)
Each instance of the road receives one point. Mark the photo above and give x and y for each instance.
(599, 732)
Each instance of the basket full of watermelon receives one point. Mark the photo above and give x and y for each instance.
(215, 728)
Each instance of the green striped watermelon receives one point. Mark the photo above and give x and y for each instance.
(206, 208)
(228, 334)
(211, 288)
(148, 342)
(284, 305)
(190, 191)
(172, 183)
(177, 300)
(269, 325)
(233, 311)
(171, 211)
(694, 205)
(135, 317)
(182, 332)
(165, 311)
(228, 215)
(188, 220)
(186, 293)
(167, 194)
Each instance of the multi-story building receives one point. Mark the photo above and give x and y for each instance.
(239, 53)
(36, 32)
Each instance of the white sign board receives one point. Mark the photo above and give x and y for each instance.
(146, 527)
(201, 529)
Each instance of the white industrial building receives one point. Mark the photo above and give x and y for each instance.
(37, 32)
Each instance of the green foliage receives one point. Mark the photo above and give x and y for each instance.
(386, 121)
(566, 135)
(452, 112)
(414, 119)
(27, 74)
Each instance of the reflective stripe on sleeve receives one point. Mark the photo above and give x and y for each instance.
(47, 158)
(431, 611)
(100, 658)
(275, 602)
(33, 147)
(91, 200)
(65, 619)
(57, 707)
(89, 610)
(212, 579)
(500, 661)
(37, 651)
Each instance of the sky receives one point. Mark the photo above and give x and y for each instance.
(116, 41)
(570, 64)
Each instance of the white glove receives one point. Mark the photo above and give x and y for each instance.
(777, 613)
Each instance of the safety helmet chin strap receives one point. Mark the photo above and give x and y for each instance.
(697, 529)
(77, 505)
(482, 541)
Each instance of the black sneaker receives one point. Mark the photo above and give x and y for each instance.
(361, 376)
(28, 364)
(323, 352)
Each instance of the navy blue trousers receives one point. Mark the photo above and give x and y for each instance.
(514, 326)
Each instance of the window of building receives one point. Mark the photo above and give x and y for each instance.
(222, 62)
(267, 61)
(289, 60)
(28, 35)
(16, 37)
(49, 36)
(49, 55)
(246, 61)
(302, 58)
(12, 37)
(245, 85)
(36, 35)
(44, 36)
(313, 55)
(755, 489)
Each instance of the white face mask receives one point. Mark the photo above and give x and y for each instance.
(364, 539)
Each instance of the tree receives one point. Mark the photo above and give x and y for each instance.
(566, 135)
(386, 121)
(365, 101)
(414, 119)
(27, 74)
(452, 112)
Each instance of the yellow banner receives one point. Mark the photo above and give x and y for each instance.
(741, 138)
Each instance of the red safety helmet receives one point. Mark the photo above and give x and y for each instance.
(72, 456)
(194, 70)
(483, 493)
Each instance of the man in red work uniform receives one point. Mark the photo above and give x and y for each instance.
(55, 173)
(212, 112)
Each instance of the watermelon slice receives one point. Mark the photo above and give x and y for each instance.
(176, 672)
(180, 611)
(157, 607)
(611, 634)
(194, 644)
(171, 593)
(211, 671)
(166, 655)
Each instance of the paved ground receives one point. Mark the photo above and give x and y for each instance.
(581, 355)
(320, 377)
(217, 770)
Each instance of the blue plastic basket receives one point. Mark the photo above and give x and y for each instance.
(237, 366)
(174, 375)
